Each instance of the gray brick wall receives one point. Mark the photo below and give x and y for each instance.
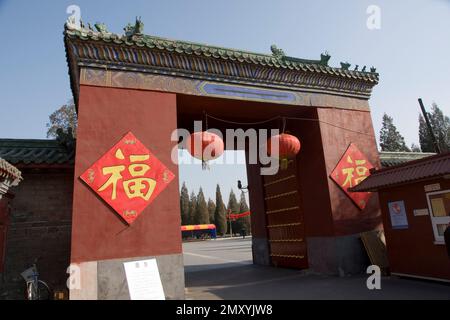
(40, 227)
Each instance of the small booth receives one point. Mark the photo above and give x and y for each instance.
(415, 204)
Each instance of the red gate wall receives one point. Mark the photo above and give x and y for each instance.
(105, 115)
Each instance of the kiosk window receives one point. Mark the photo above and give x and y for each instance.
(439, 205)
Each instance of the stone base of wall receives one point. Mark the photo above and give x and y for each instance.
(260, 250)
(344, 255)
(106, 280)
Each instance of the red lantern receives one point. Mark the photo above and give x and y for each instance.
(205, 145)
(288, 148)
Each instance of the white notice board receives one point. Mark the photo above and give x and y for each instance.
(144, 281)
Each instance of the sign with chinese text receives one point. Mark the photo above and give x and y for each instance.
(128, 177)
(397, 213)
(144, 281)
(351, 170)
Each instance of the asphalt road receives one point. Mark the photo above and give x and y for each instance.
(217, 254)
(223, 269)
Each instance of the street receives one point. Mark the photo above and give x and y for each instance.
(223, 269)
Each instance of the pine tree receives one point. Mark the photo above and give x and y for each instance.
(192, 208)
(211, 210)
(243, 207)
(233, 207)
(440, 124)
(390, 138)
(184, 205)
(220, 219)
(201, 212)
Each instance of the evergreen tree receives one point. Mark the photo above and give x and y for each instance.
(184, 205)
(220, 219)
(390, 138)
(201, 212)
(192, 208)
(211, 210)
(243, 207)
(440, 124)
(233, 207)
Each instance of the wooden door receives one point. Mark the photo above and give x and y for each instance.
(284, 215)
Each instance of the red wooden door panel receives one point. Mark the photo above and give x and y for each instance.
(285, 226)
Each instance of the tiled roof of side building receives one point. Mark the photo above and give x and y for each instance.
(390, 159)
(426, 168)
(34, 151)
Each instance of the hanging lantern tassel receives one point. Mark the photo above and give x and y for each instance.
(288, 147)
(199, 141)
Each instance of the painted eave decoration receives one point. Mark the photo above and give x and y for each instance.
(351, 170)
(128, 177)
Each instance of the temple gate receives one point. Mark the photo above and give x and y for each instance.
(149, 86)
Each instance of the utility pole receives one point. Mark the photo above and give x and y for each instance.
(430, 129)
(229, 219)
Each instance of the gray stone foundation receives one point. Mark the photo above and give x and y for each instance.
(105, 280)
(341, 256)
(260, 250)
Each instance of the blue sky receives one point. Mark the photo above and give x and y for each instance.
(410, 51)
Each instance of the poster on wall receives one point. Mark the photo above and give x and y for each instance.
(397, 213)
(144, 281)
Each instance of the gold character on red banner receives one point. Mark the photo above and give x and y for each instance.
(128, 177)
(352, 168)
(137, 187)
(356, 173)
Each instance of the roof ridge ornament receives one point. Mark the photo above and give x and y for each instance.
(101, 27)
(136, 30)
(324, 58)
(277, 53)
(345, 65)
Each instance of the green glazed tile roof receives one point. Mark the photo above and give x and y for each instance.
(390, 159)
(198, 49)
(31, 151)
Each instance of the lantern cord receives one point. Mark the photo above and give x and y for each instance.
(332, 125)
(289, 118)
(243, 123)
(206, 120)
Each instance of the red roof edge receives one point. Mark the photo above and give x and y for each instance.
(397, 175)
